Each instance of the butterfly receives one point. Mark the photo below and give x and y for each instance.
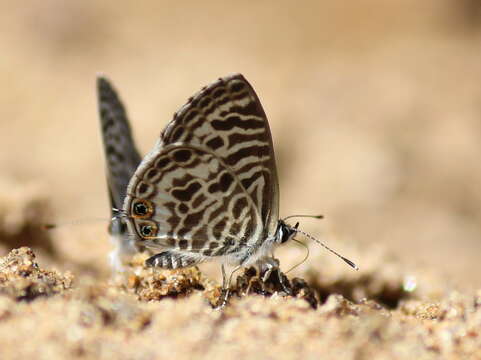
(122, 158)
(207, 190)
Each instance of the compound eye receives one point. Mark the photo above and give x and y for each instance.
(286, 235)
(142, 208)
(286, 232)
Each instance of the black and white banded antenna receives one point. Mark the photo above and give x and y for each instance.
(305, 216)
(346, 260)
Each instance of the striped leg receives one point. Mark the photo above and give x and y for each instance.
(267, 267)
(225, 292)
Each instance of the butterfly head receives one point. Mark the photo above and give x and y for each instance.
(285, 232)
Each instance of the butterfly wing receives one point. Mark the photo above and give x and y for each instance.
(122, 158)
(175, 204)
(227, 118)
(185, 198)
(121, 154)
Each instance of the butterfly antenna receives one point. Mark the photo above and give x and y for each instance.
(306, 216)
(346, 260)
(305, 257)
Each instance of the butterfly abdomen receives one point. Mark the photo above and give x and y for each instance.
(172, 260)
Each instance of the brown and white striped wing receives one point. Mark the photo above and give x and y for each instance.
(185, 198)
(227, 118)
(120, 151)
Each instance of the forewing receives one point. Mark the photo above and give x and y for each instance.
(185, 198)
(227, 118)
(121, 154)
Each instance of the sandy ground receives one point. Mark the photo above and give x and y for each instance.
(375, 110)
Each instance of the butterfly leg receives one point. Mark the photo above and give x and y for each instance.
(250, 284)
(226, 281)
(224, 294)
(267, 267)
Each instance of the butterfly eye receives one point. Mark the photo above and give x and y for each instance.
(286, 232)
(142, 208)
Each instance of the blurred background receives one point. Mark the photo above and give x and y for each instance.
(374, 106)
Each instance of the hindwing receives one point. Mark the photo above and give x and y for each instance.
(185, 198)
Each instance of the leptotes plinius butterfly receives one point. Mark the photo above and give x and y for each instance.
(122, 158)
(209, 188)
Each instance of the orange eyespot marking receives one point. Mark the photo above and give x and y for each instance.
(147, 230)
(142, 209)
